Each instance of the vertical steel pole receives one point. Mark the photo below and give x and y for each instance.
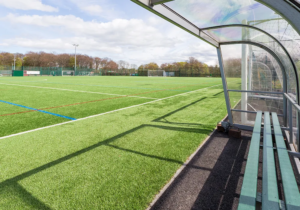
(285, 106)
(75, 61)
(14, 61)
(298, 129)
(75, 45)
(228, 105)
(244, 101)
(290, 121)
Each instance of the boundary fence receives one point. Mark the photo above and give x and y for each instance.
(62, 71)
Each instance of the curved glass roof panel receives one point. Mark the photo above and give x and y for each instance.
(198, 16)
(239, 34)
(207, 13)
(286, 35)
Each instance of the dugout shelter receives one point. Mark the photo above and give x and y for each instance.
(258, 48)
(264, 36)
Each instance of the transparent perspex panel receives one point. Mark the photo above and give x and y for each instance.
(257, 102)
(248, 118)
(207, 13)
(221, 12)
(251, 68)
(243, 118)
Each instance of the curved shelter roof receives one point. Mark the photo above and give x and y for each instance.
(268, 24)
(258, 35)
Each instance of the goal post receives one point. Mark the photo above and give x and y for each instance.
(156, 73)
(67, 73)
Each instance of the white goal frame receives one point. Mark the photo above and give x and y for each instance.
(62, 73)
(156, 73)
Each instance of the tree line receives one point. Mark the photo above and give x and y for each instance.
(188, 68)
(43, 59)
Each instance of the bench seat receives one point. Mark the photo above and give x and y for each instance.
(269, 196)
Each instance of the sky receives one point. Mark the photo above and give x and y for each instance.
(117, 29)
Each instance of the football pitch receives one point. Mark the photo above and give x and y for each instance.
(99, 142)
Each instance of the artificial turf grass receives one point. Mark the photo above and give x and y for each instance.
(122, 85)
(116, 161)
(45, 98)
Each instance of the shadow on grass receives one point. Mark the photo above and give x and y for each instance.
(208, 189)
(24, 196)
(35, 203)
(163, 119)
(218, 94)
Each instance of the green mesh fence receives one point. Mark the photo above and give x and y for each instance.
(182, 73)
(5, 68)
(61, 71)
(5, 73)
(118, 72)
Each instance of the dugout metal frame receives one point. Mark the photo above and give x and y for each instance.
(285, 57)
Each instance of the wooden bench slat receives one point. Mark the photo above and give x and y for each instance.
(270, 198)
(248, 193)
(290, 189)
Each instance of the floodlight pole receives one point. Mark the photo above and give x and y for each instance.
(14, 61)
(75, 45)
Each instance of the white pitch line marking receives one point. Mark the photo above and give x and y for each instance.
(252, 107)
(78, 91)
(92, 116)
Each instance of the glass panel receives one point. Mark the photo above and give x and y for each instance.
(239, 118)
(228, 12)
(248, 118)
(257, 102)
(220, 12)
(261, 71)
(176, 18)
(247, 34)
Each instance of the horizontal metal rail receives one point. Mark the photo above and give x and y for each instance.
(292, 102)
(239, 110)
(253, 91)
(251, 112)
(295, 154)
(266, 97)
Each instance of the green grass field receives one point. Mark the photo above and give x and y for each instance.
(111, 142)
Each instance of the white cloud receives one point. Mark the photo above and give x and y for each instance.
(64, 44)
(100, 8)
(27, 5)
(95, 10)
(134, 40)
(133, 33)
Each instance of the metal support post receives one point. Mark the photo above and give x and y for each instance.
(298, 134)
(244, 101)
(291, 121)
(285, 106)
(228, 105)
(75, 45)
(14, 61)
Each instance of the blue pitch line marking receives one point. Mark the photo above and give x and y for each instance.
(26, 107)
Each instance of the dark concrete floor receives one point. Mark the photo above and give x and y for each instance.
(213, 179)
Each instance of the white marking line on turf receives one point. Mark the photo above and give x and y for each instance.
(80, 91)
(252, 107)
(92, 116)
